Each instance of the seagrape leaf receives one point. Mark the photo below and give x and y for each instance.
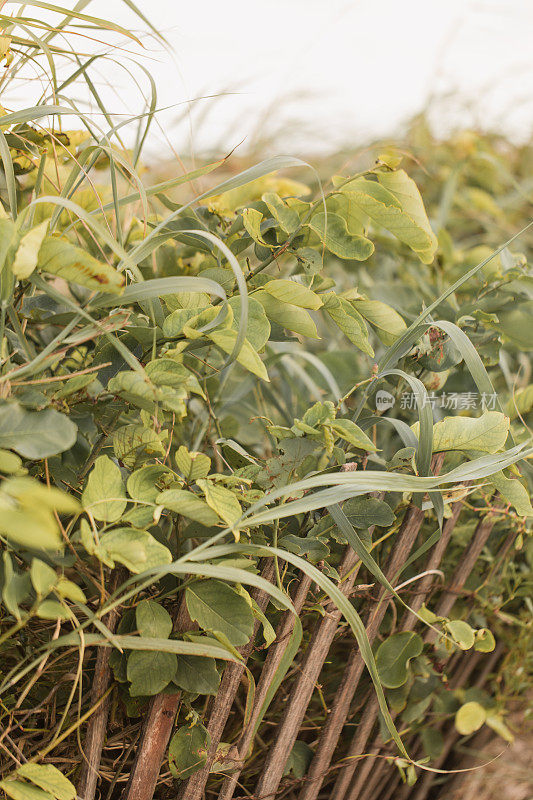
(197, 674)
(292, 292)
(153, 620)
(49, 779)
(192, 465)
(27, 253)
(461, 633)
(393, 656)
(35, 434)
(487, 433)
(469, 718)
(138, 550)
(349, 320)
(258, 328)
(150, 671)
(73, 264)
(388, 323)
(287, 315)
(333, 233)
(221, 500)
(189, 505)
(187, 751)
(104, 494)
(218, 608)
(353, 434)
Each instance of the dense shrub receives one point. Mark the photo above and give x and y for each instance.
(216, 404)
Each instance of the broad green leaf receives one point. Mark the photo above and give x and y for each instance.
(35, 434)
(49, 779)
(287, 315)
(221, 500)
(142, 484)
(514, 492)
(10, 463)
(140, 391)
(149, 672)
(189, 505)
(487, 433)
(258, 326)
(218, 608)
(32, 528)
(20, 790)
(27, 253)
(497, 724)
(252, 219)
(299, 759)
(461, 633)
(247, 357)
(31, 492)
(197, 675)
(60, 257)
(43, 577)
(353, 434)
(187, 751)
(153, 620)
(104, 494)
(333, 233)
(286, 217)
(470, 717)
(393, 657)
(51, 609)
(69, 590)
(292, 292)
(485, 642)
(349, 320)
(138, 550)
(388, 323)
(192, 465)
(135, 443)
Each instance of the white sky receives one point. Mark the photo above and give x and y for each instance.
(318, 73)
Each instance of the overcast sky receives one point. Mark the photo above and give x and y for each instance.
(312, 74)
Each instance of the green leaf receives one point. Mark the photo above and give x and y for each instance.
(221, 500)
(299, 759)
(51, 609)
(288, 291)
(61, 258)
(49, 779)
(10, 463)
(142, 484)
(251, 219)
(461, 633)
(487, 433)
(19, 790)
(353, 434)
(189, 505)
(27, 253)
(247, 357)
(286, 217)
(469, 718)
(217, 608)
(258, 327)
(187, 751)
(349, 320)
(32, 528)
(514, 492)
(485, 642)
(153, 620)
(388, 323)
(150, 672)
(197, 675)
(104, 494)
(287, 315)
(393, 656)
(333, 233)
(43, 577)
(35, 434)
(192, 465)
(138, 550)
